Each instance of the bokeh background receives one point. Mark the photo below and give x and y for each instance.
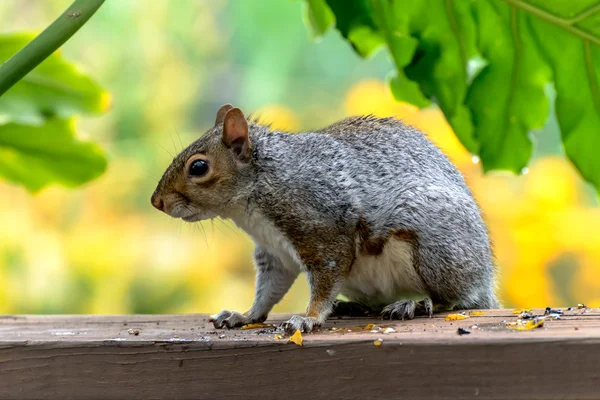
(168, 66)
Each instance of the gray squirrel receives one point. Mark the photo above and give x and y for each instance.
(367, 207)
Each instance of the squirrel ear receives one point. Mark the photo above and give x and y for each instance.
(235, 133)
(221, 113)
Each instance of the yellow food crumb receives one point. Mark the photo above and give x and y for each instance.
(296, 338)
(526, 325)
(476, 313)
(521, 310)
(368, 327)
(456, 317)
(256, 326)
(278, 337)
(378, 342)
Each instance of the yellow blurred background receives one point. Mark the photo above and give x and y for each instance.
(103, 249)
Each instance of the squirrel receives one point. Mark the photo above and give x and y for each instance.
(367, 207)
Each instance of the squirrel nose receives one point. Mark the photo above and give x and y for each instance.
(158, 203)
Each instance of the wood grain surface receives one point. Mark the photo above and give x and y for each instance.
(184, 357)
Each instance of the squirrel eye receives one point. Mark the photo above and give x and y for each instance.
(198, 168)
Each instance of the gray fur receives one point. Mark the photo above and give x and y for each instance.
(315, 188)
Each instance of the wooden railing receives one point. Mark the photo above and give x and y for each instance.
(184, 357)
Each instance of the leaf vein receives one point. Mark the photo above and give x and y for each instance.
(584, 14)
(551, 18)
(589, 68)
(514, 30)
(456, 31)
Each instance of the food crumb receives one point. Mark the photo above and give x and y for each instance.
(521, 310)
(378, 342)
(526, 325)
(256, 326)
(389, 330)
(278, 336)
(526, 315)
(580, 306)
(296, 338)
(331, 352)
(456, 317)
(135, 332)
(552, 313)
(476, 313)
(550, 310)
(463, 331)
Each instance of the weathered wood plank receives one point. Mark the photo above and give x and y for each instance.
(183, 356)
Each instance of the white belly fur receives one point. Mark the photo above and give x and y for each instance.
(268, 236)
(386, 278)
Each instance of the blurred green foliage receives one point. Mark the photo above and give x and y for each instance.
(38, 143)
(35, 155)
(169, 66)
(486, 64)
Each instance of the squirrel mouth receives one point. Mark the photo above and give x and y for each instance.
(199, 216)
(192, 217)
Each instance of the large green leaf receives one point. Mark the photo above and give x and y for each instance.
(56, 87)
(486, 62)
(35, 156)
(319, 16)
(574, 56)
(507, 98)
(356, 22)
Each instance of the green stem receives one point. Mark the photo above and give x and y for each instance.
(47, 42)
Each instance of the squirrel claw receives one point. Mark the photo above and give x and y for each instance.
(304, 324)
(407, 309)
(403, 309)
(228, 319)
(426, 306)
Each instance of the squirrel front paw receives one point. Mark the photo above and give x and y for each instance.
(304, 324)
(229, 319)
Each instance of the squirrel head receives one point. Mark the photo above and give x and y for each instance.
(212, 175)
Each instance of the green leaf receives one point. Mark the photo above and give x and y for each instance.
(319, 16)
(54, 88)
(402, 48)
(445, 36)
(578, 95)
(355, 21)
(366, 41)
(507, 98)
(406, 90)
(36, 156)
(486, 63)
